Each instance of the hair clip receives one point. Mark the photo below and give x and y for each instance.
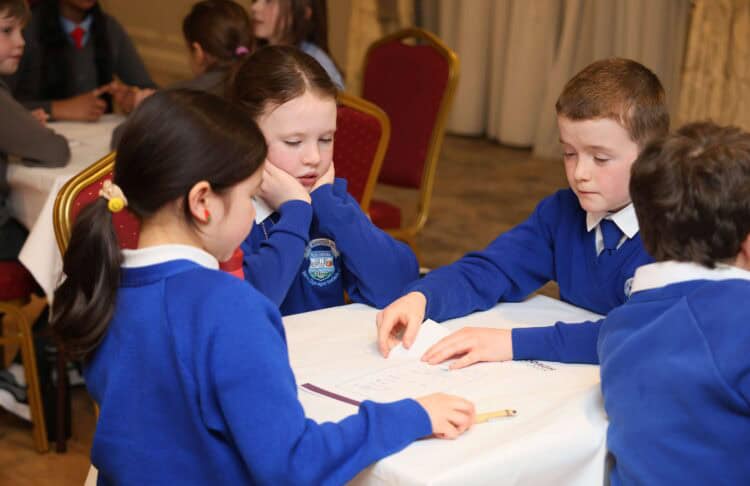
(116, 200)
(241, 51)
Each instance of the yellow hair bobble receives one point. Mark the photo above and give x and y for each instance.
(113, 194)
(115, 204)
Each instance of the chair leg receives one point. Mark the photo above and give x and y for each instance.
(28, 357)
(62, 403)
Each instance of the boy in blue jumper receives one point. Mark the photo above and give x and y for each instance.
(220, 403)
(674, 359)
(311, 241)
(585, 237)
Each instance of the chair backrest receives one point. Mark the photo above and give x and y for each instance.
(412, 76)
(82, 190)
(362, 134)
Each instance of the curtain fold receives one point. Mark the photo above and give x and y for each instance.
(716, 81)
(516, 56)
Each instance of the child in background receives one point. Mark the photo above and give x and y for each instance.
(674, 362)
(218, 33)
(74, 51)
(220, 400)
(311, 241)
(585, 238)
(21, 134)
(300, 23)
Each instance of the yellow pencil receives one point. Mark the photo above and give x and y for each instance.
(488, 416)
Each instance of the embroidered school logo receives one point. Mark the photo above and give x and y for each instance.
(321, 255)
(628, 287)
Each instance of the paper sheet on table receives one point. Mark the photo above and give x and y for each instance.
(403, 375)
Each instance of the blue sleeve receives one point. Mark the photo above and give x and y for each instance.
(515, 264)
(253, 400)
(376, 266)
(271, 265)
(563, 342)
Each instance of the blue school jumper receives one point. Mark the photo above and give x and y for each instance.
(195, 387)
(675, 375)
(552, 244)
(305, 256)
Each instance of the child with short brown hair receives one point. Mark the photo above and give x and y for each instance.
(585, 238)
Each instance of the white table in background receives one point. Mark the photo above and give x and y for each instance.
(557, 438)
(34, 189)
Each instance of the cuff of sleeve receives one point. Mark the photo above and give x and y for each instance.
(401, 420)
(334, 206)
(528, 342)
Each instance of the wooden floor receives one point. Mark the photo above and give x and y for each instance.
(482, 189)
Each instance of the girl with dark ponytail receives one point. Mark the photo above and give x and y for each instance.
(189, 364)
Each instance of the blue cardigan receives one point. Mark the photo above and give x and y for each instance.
(305, 256)
(676, 382)
(195, 387)
(552, 244)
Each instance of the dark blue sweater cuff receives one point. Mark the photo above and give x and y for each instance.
(531, 343)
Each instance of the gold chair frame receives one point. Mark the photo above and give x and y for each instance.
(409, 232)
(68, 193)
(22, 335)
(364, 106)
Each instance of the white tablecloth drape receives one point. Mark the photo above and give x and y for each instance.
(34, 189)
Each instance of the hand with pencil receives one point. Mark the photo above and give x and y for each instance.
(450, 415)
(471, 345)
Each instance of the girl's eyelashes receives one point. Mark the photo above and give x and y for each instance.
(292, 143)
(326, 139)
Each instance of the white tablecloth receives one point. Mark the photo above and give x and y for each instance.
(34, 189)
(557, 438)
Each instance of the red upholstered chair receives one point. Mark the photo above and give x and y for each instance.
(16, 285)
(362, 134)
(80, 191)
(412, 76)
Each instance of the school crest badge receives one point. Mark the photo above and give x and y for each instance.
(321, 262)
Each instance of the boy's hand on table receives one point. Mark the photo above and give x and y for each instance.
(450, 416)
(84, 107)
(402, 317)
(473, 344)
(40, 115)
(279, 187)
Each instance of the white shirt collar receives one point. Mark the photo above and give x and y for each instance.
(661, 274)
(152, 255)
(262, 210)
(625, 219)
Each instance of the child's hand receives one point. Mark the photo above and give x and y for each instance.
(279, 187)
(140, 95)
(40, 115)
(475, 344)
(450, 416)
(404, 315)
(84, 107)
(326, 178)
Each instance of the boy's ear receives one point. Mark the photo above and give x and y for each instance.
(199, 199)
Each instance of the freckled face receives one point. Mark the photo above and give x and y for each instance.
(598, 154)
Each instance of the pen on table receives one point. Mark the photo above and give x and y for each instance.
(489, 416)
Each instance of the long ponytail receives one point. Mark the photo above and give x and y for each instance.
(83, 304)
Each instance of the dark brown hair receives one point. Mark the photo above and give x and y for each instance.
(691, 193)
(17, 9)
(622, 90)
(206, 139)
(221, 27)
(276, 74)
